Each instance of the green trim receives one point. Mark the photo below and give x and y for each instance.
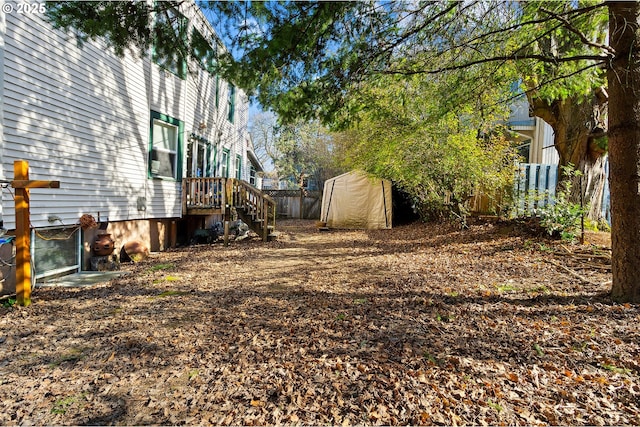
(214, 162)
(217, 91)
(208, 149)
(180, 125)
(204, 52)
(231, 103)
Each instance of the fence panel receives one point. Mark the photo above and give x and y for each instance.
(535, 186)
(289, 203)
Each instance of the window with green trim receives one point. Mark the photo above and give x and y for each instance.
(231, 103)
(203, 52)
(224, 163)
(252, 176)
(238, 166)
(198, 157)
(165, 146)
(170, 35)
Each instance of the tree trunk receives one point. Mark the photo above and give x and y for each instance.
(593, 183)
(624, 149)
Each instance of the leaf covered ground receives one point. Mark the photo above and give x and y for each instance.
(421, 324)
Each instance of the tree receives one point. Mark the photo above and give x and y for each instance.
(306, 58)
(624, 146)
(306, 152)
(576, 105)
(439, 156)
(264, 133)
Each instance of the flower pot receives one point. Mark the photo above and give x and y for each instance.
(103, 245)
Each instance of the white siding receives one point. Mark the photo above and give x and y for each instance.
(82, 116)
(74, 114)
(549, 152)
(3, 28)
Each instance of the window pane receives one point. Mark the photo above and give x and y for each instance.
(203, 51)
(164, 149)
(163, 163)
(170, 27)
(165, 136)
(224, 166)
(55, 249)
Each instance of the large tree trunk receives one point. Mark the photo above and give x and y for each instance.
(577, 124)
(624, 149)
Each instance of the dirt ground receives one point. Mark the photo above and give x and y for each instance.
(421, 324)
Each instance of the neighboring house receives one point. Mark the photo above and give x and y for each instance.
(120, 134)
(538, 172)
(533, 135)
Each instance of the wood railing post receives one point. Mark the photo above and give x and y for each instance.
(21, 184)
(23, 236)
(265, 220)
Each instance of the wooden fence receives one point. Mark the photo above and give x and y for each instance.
(298, 204)
(535, 186)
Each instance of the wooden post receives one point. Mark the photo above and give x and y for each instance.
(301, 202)
(21, 183)
(226, 233)
(23, 236)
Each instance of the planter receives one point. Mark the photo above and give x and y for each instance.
(103, 245)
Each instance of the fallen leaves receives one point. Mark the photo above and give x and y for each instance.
(417, 325)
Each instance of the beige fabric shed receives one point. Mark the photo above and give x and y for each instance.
(356, 201)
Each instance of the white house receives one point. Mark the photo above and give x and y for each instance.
(533, 135)
(120, 134)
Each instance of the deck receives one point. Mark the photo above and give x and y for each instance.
(221, 196)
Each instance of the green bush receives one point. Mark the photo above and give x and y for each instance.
(561, 218)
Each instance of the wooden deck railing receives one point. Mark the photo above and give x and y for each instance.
(216, 195)
(203, 193)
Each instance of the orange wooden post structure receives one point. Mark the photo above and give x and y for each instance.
(22, 184)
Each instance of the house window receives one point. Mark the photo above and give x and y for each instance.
(231, 103)
(171, 32)
(224, 163)
(198, 158)
(524, 150)
(252, 176)
(204, 52)
(55, 251)
(239, 166)
(165, 143)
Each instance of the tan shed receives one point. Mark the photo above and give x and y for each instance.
(357, 201)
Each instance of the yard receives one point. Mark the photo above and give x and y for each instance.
(421, 324)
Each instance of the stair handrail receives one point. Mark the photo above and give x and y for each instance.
(254, 202)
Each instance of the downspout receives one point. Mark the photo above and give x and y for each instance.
(149, 85)
(185, 143)
(3, 31)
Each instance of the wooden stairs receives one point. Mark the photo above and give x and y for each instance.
(224, 196)
(254, 208)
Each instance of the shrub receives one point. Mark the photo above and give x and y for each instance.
(560, 218)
